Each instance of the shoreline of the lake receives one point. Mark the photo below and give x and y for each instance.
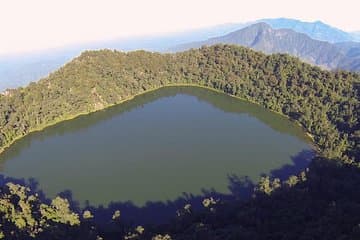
(174, 131)
(67, 118)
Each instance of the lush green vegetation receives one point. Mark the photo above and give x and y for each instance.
(321, 203)
(324, 200)
(325, 103)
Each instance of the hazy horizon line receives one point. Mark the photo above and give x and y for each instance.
(90, 44)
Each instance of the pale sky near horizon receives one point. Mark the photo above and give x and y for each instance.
(41, 24)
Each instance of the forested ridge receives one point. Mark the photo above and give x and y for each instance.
(325, 103)
(262, 37)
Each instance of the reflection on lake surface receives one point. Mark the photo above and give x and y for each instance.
(158, 146)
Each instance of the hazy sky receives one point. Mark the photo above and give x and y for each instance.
(28, 25)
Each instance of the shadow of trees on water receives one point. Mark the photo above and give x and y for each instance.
(160, 212)
(218, 100)
(324, 206)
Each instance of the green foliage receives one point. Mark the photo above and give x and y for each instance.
(59, 212)
(292, 181)
(267, 186)
(321, 203)
(161, 237)
(325, 206)
(87, 214)
(16, 207)
(325, 103)
(116, 215)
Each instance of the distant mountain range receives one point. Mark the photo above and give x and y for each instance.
(316, 30)
(262, 37)
(20, 70)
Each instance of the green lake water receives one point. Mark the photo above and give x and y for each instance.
(158, 146)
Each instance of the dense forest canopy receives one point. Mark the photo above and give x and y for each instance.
(325, 103)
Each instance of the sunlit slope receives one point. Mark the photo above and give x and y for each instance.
(323, 102)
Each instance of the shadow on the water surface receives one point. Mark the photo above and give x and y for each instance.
(221, 101)
(31, 183)
(240, 187)
(299, 162)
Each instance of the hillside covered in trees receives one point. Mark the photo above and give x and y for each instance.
(325, 103)
(261, 37)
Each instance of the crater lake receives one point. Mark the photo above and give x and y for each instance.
(159, 146)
